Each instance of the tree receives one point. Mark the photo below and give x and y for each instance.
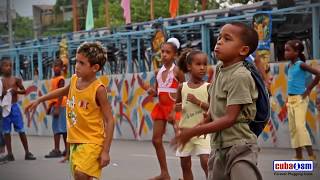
(23, 28)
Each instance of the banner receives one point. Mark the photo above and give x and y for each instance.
(173, 8)
(89, 18)
(125, 4)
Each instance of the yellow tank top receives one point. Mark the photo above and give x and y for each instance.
(192, 114)
(84, 117)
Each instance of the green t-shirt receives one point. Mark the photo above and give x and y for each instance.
(233, 85)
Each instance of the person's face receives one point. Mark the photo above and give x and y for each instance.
(84, 68)
(6, 68)
(198, 66)
(168, 53)
(290, 53)
(229, 45)
(57, 68)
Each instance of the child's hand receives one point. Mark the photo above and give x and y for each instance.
(56, 112)
(181, 138)
(306, 93)
(191, 98)
(104, 159)
(32, 106)
(178, 107)
(13, 91)
(172, 117)
(206, 118)
(152, 92)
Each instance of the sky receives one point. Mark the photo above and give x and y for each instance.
(24, 7)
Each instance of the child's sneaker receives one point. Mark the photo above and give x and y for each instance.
(9, 157)
(29, 156)
(53, 154)
(3, 159)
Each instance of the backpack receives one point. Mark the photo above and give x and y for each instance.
(262, 104)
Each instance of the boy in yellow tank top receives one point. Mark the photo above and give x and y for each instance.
(89, 118)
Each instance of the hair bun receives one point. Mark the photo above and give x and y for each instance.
(175, 41)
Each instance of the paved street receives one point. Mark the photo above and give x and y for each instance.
(131, 160)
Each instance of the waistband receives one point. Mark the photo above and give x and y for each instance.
(169, 90)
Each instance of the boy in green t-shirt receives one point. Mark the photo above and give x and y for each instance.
(232, 105)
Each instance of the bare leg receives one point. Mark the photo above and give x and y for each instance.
(310, 153)
(24, 142)
(7, 139)
(204, 163)
(186, 168)
(56, 138)
(159, 127)
(81, 176)
(299, 153)
(64, 136)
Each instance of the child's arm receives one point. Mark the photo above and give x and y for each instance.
(196, 101)
(219, 124)
(315, 81)
(109, 124)
(178, 105)
(20, 86)
(179, 75)
(153, 90)
(54, 94)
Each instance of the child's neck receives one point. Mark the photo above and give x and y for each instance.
(294, 60)
(89, 78)
(57, 74)
(231, 62)
(168, 65)
(7, 75)
(196, 80)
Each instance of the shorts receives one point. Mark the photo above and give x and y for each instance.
(161, 112)
(164, 107)
(85, 158)
(240, 159)
(15, 118)
(59, 123)
(196, 146)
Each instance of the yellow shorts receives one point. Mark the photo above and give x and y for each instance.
(85, 158)
(196, 146)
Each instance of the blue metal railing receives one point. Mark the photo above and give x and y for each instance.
(40, 54)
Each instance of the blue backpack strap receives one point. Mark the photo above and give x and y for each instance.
(262, 103)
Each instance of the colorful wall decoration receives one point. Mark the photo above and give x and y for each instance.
(132, 107)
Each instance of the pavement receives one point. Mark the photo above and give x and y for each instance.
(130, 160)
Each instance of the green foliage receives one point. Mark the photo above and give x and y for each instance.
(58, 29)
(22, 27)
(140, 11)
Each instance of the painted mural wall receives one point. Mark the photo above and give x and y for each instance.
(132, 107)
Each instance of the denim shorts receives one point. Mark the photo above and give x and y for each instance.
(59, 123)
(15, 119)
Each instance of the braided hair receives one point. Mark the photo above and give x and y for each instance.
(297, 46)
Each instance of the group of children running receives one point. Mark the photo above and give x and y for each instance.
(209, 120)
